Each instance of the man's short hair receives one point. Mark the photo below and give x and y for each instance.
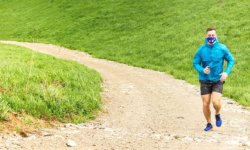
(211, 29)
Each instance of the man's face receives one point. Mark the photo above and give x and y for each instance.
(211, 33)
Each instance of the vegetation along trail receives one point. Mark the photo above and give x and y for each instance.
(143, 109)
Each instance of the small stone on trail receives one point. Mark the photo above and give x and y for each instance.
(47, 134)
(68, 125)
(180, 117)
(247, 144)
(71, 143)
(23, 134)
(178, 137)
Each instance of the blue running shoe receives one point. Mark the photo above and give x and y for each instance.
(208, 127)
(218, 120)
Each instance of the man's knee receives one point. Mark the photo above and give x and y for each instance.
(206, 104)
(216, 98)
(206, 100)
(216, 102)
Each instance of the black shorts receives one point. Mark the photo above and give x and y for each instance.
(209, 87)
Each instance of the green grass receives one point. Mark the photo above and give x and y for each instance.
(161, 34)
(46, 87)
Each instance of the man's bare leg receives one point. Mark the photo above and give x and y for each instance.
(216, 100)
(206, 107)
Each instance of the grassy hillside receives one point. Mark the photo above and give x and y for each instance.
(160, 34)
(46, 87)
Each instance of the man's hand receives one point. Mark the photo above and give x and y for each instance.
(206, 70)
(223, 76)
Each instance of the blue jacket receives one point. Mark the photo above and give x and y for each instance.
(212, 56)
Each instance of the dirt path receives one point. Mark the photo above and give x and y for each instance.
(145, 110)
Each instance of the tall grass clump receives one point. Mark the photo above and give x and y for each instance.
(46, 87)
(4, 109)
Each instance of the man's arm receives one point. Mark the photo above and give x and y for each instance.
(230, 61)
(197, 62)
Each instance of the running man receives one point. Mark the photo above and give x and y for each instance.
(208, 61)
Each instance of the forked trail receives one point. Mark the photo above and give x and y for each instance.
(144, 110)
